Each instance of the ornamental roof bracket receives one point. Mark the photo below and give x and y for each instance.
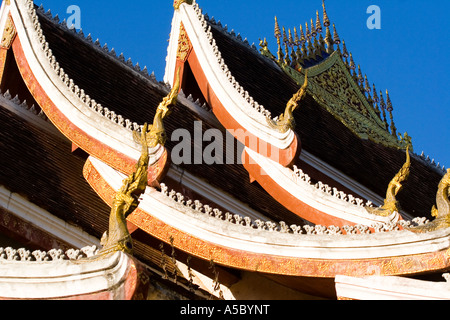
(156, 131)
(391, 204)
(441, 211)
(126, 200)
(286, 120)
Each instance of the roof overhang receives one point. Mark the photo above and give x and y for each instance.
(238, 243)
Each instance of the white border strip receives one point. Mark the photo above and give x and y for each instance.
(225, 234)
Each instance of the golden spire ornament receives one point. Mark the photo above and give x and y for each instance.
(326, 21)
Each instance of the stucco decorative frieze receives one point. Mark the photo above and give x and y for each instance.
(282, 227)
(184, 45)
(24, 255)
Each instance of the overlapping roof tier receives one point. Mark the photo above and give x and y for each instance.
(98, 99)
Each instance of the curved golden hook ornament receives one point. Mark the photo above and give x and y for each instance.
(391, 204)
(126, 200)
(286, 120)
(157, 133)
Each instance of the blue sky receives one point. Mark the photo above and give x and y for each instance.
(409, 55)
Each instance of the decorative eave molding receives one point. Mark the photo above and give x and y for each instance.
(215, 195)
(318, 203)
(243, 109)
(115, 277)
(390, 288)
(86, 123)
(258, 249)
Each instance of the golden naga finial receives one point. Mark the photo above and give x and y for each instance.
(126, 200)
(441, 211)
(177, 3)
(391, 204)
(157, 133)
(286, 120)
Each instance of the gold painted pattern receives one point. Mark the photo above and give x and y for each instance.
(9, 34)
(184, 45)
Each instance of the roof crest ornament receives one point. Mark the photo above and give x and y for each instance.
(126, 200)
(197, 207)
(178, 3)
(286, 121)
(390, 203)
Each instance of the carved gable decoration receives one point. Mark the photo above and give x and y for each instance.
(9, 33)
(184, 45)
(333, 87)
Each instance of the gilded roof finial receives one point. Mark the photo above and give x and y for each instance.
(390, 108)
(391, 204)
(286, 120)
(178, 3)
(329, 40)
(326, 21)
(278, 37)
(376, 100)
(297, 42)
(344, 50)
(352, 64)
(303, 42)
(291, 45)
(313, 29)
(302, 35)
(307, 33)
(336, 38)
(360, 78)
(383, 108)
(318, 23)
(366, 84)
(286, 48)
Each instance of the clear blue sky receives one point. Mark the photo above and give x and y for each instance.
(409, 55)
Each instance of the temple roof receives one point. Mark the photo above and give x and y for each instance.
(134, 95)
(321, 133)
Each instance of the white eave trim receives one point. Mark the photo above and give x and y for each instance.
(316, 198)
(222, 233)
(241, 111)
